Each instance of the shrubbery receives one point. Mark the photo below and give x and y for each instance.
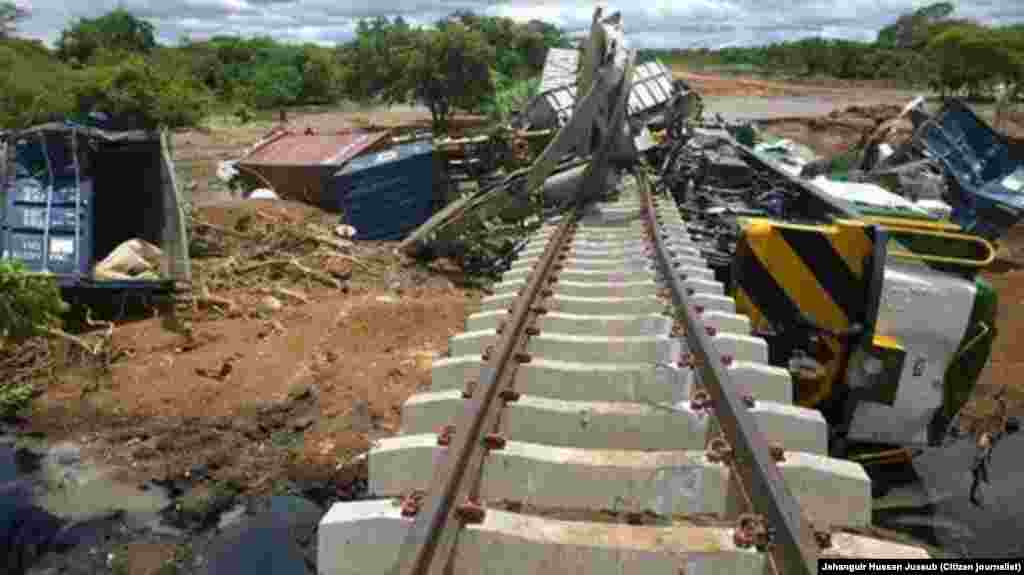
(33, 85)
(113, 64)
(138, 88)
(29, 303)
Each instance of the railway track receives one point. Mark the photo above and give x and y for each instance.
(606, 411)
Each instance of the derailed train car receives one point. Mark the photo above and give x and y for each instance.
(884, 323)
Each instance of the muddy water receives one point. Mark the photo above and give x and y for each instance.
(52, 500)
(736, 108)
(64, 514)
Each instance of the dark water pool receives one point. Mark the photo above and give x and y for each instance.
(54, 505)
(938, 509)
(51, 501)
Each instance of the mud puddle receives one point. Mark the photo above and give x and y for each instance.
(63, 513)
(53, 500)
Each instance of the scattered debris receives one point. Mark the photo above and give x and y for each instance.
(227, 171)
(263, 194)
(289, 294)
(344, 231)
(948, 166)
(793, 157)
(221, 373)
(133, 259)
(282, 251)
(270, 304)
(869, 196)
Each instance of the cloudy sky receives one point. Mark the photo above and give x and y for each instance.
(649, 23)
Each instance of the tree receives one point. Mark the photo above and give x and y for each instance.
(911, 30)
(1012, 39)
(143, 93)
(34, 85)
(320, 75)
(971, 57)
(10, 15)
(451, 68)
(117, 31)
(374, 62)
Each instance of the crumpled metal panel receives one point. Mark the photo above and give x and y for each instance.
(652, 88)
(559, 69)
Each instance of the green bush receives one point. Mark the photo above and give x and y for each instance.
(114, 64)
(142, 88)
(33, 85)
(14, 396)
(959, 50)
(276, 84)
(508, 95)
(29, 303)
(117, 30)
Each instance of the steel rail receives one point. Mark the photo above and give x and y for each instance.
(451, 475)
(794, 550)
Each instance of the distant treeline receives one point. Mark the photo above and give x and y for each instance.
(927, 47)
(489, 65)
(114, 64)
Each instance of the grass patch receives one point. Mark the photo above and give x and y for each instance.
(15, 397)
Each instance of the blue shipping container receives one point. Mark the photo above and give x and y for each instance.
(388, 194)
(45, 230)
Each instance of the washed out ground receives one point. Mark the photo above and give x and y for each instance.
(257, 397)
(270, 382)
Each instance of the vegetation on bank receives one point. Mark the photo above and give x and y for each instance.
(489, 65)
(30, 305)
(925, 48)
(115, 64)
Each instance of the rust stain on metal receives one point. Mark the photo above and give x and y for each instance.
(291, 149)
(719, 451)
(298, 166)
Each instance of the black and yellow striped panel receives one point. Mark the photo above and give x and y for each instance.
(818, 270)
(784, 270)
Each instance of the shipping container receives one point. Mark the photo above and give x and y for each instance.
(48, 228)
(388, 194)
(298, 166)
(71, 194)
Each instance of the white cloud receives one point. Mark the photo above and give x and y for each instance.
(649, 23)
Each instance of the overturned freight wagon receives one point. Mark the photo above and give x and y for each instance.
(298, 166)
(71, 195)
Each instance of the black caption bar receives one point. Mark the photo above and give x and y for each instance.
(920, 566)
